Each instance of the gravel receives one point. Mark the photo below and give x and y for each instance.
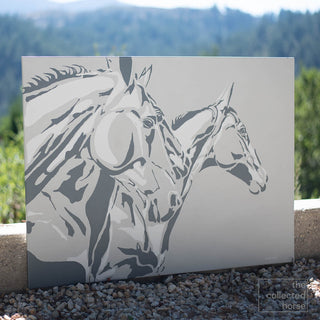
(252, 293)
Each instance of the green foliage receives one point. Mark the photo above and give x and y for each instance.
(12, 198)
(12, 195)
(307, 131)
(297, 174)
(11, 124)
(214, 51)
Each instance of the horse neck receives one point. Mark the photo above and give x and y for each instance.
(173, 149)
(188, 146)
(200, 144)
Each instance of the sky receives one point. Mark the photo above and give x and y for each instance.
(257, 7)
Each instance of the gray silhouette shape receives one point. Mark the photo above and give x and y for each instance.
(107, 176)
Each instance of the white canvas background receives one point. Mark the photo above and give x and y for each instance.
(222, 224)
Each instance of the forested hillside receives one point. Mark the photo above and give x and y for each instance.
(146, 31)
(21, 37)
(290, 34)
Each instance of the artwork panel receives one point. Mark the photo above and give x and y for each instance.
(141, 166)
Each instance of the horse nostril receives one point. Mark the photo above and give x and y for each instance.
(263, 188)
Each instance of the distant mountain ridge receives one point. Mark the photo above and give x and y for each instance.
(128, 30)
(26, 7)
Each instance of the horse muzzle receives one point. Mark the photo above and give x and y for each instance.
(259, 182)
(255, 179)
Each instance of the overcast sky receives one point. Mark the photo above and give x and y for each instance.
(254, 7)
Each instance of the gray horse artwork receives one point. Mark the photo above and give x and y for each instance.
(107, 175)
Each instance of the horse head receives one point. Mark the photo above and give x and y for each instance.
(135, 93)
(232, 148)
(134, 97)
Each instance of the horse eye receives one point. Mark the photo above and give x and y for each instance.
(158, 113)
(243, 131)
(159, 117)
(148, 122)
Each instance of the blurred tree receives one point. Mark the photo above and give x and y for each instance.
(11, 124)
(307, 131)
(12, 206)
(214, 51)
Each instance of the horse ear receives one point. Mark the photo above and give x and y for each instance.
(145, 75)
(126, 68)
(109, 61)
(229, 93)
(224, 100)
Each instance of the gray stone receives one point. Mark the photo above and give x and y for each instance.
(171, 287)
(80, 287)
(70, 304)
(55, 314)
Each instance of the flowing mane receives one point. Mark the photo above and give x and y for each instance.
(40, 82)
(182, 118)
(70, 121)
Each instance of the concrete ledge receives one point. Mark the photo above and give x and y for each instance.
(13, 247)
(13, 257)
(307, 228)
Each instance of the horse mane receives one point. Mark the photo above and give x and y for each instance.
(182, 118)
(40, 82)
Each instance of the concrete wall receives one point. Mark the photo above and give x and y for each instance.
(13, 247)
(307, 228)
(13, 257)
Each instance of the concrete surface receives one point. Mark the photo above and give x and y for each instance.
(13, 257)
(307, 228)
(13, 247)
